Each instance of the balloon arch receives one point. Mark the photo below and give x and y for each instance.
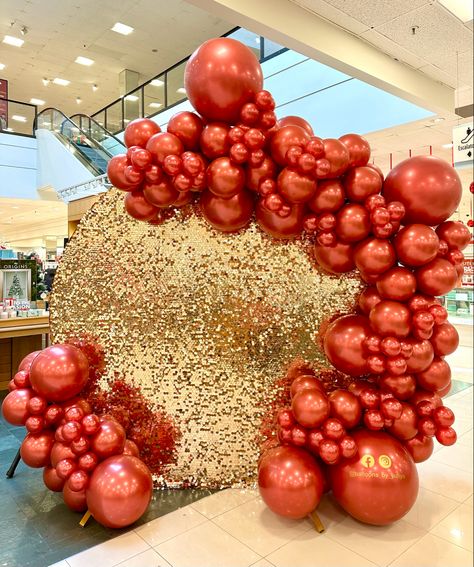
(356, 428)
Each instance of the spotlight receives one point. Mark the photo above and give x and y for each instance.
(23, 30)
(45, 81)
(94, 87)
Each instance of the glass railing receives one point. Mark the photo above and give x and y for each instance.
(17, 117)
(88, 151)
(99, 134)
(167, 89)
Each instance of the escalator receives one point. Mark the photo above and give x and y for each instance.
(84, 137)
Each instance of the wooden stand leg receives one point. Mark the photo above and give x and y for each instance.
(318, 525)
(85, 519)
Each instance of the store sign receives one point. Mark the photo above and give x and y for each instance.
(468, 276)
(3, 104)
(463, 145)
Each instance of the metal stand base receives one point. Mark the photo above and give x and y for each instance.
(12, 469)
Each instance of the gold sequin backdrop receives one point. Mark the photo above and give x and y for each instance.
(203, 322)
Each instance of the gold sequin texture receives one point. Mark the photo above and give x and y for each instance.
(203, 322)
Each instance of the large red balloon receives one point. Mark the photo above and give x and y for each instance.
(15, 406)
(380, 484)
(280, 227)
(344, 344)
(416, 244)
(284, 138)
(187, 126)
(361, 182)
(429, 188)
(359, 149)
(345, 407)
(405, 427)
(59, 372)
(116, 173)
(52, 480)
(220, 77)
(420, 447)
(109, 439)
(398, 284)
(421, 357)
(164, 144)
(227, 215)
(436, 278)
(295, 187)
(445, 339)
(390, 319)
(290, 481)
(436, 377)
(139, 131)
(295, 121)
(336, 259)
(329, 197)
(75, 501)
(352, 223)
(161, 194)
(214, 141)
(374, 256)
(224, 178)
(255, 175)
(338, 156)
(26, 363)
(120, 490)
(455, 233)
(36, 448)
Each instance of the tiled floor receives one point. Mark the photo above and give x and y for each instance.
(234, 528)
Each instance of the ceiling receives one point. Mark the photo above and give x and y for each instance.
(440, 45)
(29, 223)
(58, 31)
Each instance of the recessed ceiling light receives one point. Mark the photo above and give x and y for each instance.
(157, 83)
(438, 119)
(84, 61)
(94, 87)
(62, 82)
(155, 105)
(447, 146)
(15, 41)
(122, 28)
(37, 101)
(15, 207)
(45, 81)
(462, 9)
(19, 118)
(78, 100)
(2, 66)
(131, 98)
(257, 40)
(181, 90)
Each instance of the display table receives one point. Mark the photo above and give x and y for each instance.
(18, 337)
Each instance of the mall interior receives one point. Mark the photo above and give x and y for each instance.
(163, 301)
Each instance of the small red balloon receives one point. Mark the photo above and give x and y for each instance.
(15, 406)
(139, 131)
(420, 448)
(227, 215)
(187, 126)
(338, 156)
(359, 149)
(329, 196)
(361, 182)
(374, 256)
(335, 259)
(36, 448)
(310, 408)
(416, 245)
(398, 284)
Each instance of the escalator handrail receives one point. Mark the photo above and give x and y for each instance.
(109, 134)
(95, 144)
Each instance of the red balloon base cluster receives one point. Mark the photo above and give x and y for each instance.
(86, 457)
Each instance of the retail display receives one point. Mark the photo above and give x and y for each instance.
(256, 238)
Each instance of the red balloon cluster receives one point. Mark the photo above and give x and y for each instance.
(70, 442)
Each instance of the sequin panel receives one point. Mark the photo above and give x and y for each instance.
(203, 322)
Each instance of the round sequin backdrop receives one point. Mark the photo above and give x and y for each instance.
(203, 322)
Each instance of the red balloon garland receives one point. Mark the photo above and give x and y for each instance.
(235, 161)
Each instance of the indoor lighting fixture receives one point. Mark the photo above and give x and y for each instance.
(447, 146)
(45, 81)
(94, 87)
(438, 119)
(181, 90)
(257, 40)
(23, 30)
(157, 83)
(462, 9)
(19, 118)
(84, 61)
(62, 82)
(2, 66)
(122, 28)
(15, 41)
(78, 100)
(155, 105)
(37, 101)
(131, 98)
